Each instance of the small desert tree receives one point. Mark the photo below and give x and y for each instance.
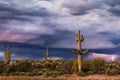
(79, 38)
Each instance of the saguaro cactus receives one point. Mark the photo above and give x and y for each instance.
(79, 38)
(46, 55)
(7, 55)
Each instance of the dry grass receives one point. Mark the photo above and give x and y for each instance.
(63, 77)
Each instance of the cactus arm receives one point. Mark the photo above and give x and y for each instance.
(82, 38)
(86, 51)
(77, 37)
(74, 51)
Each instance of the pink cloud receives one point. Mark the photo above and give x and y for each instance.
(11, 36)
(107, 57)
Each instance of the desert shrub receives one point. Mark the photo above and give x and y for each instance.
(89, 72)
(51, 73)
(101, 72)
(4, 74)
(5, 68)
(55, 73)
(30, 73)
(68, 65)
(112, 68)
(56, 64)
(23, 66)
(53, 64)
(58, 67)
(2, 67)
(86, 65)
(36, 64)
(97, 65)
(45, 74)
(75, 66)
(82, 73)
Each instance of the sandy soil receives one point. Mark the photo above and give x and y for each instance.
(62, 77)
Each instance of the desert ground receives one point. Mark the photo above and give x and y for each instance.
(63, 77)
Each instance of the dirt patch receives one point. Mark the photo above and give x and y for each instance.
(62, 77)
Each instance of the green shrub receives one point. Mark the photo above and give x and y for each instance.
(19, 73)
(82, 73)
(23, 66)
(2, 67)
(68, 66)
(90, 72)
(75, 66)
(97, 65)
(46, 74)
(112, 68)
(51, 73)
(86, 65)
(101, 72)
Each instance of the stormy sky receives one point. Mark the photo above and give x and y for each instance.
(54, 23)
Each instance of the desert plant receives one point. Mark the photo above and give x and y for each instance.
(82, 73)
(2, 67)
(97, 65)
(86, 65)
(24, 66)
(75, 66)
(7, 55)
(112, 68)
(90, 72)
(46, 55)
(51, 73)
(68, 65)
(79, 38)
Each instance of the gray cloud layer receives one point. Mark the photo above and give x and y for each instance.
(54, 22)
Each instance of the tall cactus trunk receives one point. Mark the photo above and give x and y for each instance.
(7, 55)
(46, 55)
(79, 39)
(79, 62)
(79, 51)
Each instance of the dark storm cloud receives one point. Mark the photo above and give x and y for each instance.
(4, 19)
(115, 10)
(116, 41)
(114, 38)
(112, 2)
(114, 6)
(83, 7)
(22, 51)
(93, 18)
(49, 40)
(12, 12)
